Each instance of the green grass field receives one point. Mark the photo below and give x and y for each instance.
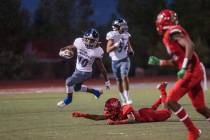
(36, 117)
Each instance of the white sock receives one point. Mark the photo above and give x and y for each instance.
(125, 93)
(123, 99)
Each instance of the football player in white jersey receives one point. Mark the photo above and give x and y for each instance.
(88, 51)
(119, 47)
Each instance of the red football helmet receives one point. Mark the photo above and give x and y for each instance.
(165, 19)
(112, 107)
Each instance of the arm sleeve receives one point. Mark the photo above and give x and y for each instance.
(99, 53)
(109, 36)
(77, 42)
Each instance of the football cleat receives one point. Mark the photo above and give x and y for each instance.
(61, 104)
(97, 93)
(194, 135)
(64, 102)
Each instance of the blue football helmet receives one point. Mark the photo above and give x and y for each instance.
(119, 25)
(91, 38)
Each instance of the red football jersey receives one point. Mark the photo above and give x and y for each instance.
(177, 51)
(144, 114)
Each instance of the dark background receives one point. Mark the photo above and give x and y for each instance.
(33, 31)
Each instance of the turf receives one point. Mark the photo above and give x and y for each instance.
(36, 117)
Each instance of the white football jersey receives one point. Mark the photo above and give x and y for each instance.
(121, 51)
(85, 56)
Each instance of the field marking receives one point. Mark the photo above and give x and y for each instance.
(58, 89)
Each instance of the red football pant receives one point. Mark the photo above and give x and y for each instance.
(191, 84)
(162, 115)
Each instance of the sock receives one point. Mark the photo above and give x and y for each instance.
(126, 96)
(163, 95)
(122, 98)
(208, 119)
(67, 100)
(69, 89)
(183, 116)
(156, 104)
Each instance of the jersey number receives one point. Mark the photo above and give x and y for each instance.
(83, 61)
(120, 48)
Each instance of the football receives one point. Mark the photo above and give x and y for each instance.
(66, 52)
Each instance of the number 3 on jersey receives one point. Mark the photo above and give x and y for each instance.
(83, 61)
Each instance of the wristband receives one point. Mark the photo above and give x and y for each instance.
(185, 62)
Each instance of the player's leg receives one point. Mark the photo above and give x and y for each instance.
(196, 95)
(162, 114)
(124, 71)
(162, 88)
(116, 72)
(83, 76)
(83, 88)
(70, 81)
(176, 93)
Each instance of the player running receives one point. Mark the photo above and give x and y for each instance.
(118, 47)
(191, 71)
(115, 114)
(88, 51)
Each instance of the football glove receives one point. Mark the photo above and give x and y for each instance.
(181, 73)
(153, 60)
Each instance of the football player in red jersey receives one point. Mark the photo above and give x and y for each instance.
(191, 71)
(115, 114)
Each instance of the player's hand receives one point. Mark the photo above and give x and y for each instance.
(153, 60)
(66, 53)
(107, 84)
(77, 114)
(117, 44)
(110, 122)
(181, 73)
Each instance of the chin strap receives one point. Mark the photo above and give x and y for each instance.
(204, 81)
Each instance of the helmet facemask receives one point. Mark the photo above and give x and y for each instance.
(91, 38)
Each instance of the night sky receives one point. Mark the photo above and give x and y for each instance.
(103, 9)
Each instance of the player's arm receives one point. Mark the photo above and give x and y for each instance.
(111, 45)
(153, 60)
(188, 45)
(70, 47)
(130, 119)
(88, 116)
(130, 48)
(185, 42)
(102, 68)
(67, 52)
